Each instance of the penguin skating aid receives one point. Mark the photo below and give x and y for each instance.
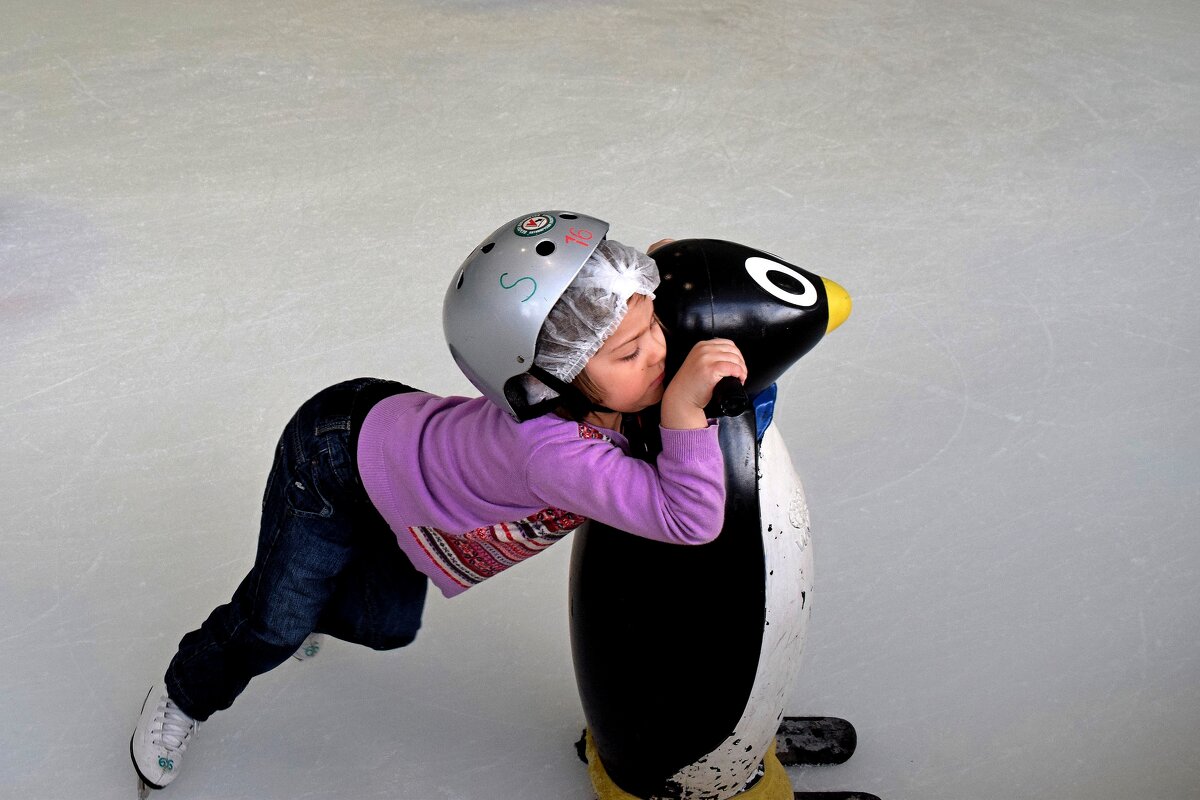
(684, 663)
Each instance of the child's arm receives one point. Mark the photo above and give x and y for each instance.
(680, 499)
(691, 389)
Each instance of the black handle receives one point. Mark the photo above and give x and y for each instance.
(728, 399)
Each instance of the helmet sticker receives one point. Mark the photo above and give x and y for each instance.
(535, 225)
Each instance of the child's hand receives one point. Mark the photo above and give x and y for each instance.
(691, 389)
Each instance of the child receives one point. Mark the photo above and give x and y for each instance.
(377, 489)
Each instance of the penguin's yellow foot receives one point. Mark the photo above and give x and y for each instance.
(773, 785)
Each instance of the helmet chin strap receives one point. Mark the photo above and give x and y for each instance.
(570, 396)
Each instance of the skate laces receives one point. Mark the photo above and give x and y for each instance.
(177, 727)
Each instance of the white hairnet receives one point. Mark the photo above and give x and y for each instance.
(592, 307)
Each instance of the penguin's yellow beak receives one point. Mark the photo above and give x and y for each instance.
(838, 300)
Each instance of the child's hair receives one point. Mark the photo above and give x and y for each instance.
(587, 313)
(574, 410)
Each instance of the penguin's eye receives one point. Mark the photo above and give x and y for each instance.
(782, 282)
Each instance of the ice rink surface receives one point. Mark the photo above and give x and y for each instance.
(210, 211)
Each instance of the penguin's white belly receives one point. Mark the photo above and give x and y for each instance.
(788, 573)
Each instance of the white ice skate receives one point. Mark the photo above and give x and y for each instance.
(161, 736)
(312, 645)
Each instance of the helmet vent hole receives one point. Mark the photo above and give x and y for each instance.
(568, 216)
(461, 275)
(545, 248)
(487, 248)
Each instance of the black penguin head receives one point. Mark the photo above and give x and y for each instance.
(774, 311)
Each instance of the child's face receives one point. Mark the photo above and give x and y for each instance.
(628, 368)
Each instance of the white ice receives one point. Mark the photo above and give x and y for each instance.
(208, 211)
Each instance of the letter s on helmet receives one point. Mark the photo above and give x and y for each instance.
(501, 295)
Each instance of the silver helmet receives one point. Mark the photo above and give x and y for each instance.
(500, 297)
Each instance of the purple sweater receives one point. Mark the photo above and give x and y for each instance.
(469, 492)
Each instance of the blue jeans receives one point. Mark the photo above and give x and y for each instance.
(326, 562)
